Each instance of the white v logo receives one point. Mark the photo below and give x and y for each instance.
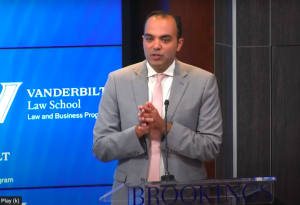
(7, 96)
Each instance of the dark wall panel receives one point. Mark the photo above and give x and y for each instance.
(253, 111)
(223, 72)
(252, 22)
(286, 122)
(197, 19)
(223, 21)
(285, 22)
(268, 91)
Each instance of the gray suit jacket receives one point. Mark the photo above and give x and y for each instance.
(194, 112)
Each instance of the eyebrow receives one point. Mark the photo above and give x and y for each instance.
(163, 36)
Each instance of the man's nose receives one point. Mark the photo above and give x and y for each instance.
(156, 45)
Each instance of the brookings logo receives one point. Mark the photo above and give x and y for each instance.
(7, 96)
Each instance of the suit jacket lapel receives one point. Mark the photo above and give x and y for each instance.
(178, 87)
(140, 90)
(140, 85)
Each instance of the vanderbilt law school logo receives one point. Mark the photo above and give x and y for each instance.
(7, 96)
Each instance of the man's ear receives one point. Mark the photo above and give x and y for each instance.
(179, 44)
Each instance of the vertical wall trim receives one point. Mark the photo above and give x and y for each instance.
(270, 54)
(234, 109)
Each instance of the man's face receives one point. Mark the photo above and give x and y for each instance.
(160, 42)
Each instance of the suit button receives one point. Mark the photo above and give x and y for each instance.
(143, 180)
(146, 157)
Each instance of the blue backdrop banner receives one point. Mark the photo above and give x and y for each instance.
(49, 101)
(38, 23)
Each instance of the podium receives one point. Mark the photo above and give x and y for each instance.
(257, 190)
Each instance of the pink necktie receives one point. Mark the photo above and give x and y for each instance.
(155, 136)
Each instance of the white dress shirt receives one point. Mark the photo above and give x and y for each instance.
(166, 84)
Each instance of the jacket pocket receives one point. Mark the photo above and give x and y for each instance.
(120, 176)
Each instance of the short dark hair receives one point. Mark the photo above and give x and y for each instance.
(164, 14)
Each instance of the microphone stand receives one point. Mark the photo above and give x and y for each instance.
(167, 176)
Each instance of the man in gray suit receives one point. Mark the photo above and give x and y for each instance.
(127, 115)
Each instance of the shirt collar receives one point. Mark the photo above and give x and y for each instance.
(168, 72)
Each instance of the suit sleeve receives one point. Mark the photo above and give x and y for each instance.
(204, 143)
(110, 142)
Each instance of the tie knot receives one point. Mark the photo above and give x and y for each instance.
(160, 77)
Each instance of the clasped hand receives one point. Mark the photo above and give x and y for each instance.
(149, 119)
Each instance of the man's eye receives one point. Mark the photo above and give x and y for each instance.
(166, 40)
(149, 39)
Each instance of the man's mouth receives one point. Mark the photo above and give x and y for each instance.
(156, 56)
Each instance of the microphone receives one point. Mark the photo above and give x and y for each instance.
(167, 176)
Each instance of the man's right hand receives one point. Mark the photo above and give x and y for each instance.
(145, 120)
